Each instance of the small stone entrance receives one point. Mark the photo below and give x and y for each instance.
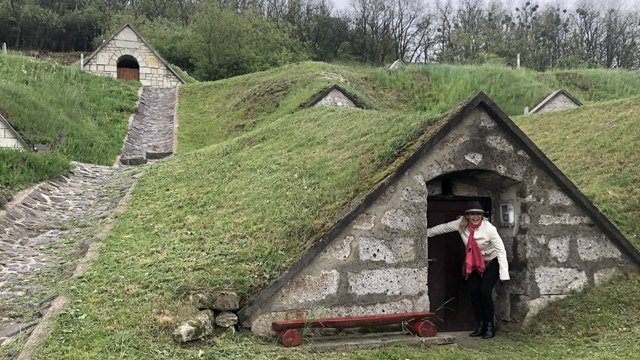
(128, 68)
(447, 288)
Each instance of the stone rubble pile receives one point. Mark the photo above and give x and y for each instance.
(216, 308)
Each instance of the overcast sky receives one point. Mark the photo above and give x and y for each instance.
(344, 4)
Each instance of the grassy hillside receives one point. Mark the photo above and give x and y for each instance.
(42, 101)
(596, 146)
(236, 213)
(213, 112)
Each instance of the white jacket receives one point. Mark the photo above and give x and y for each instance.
(489, 242)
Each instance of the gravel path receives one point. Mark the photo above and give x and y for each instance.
(45, 231)
(151, 133)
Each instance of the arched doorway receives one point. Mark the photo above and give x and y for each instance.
(128, 68)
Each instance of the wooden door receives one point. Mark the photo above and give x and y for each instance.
(447, 286)
(128, 74)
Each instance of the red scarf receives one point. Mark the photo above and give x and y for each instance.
(474, 260)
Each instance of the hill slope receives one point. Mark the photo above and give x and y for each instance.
(596, 146)
(213, 112)
(235, 214)
(42, 100)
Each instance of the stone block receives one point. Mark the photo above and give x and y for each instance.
(226, 319)
(564, 219)
(110, 68)
(145, 82)
(133, 161)
(113, 62)
(307, 288)
(538, 304)
(216, 300)
(124, 44)
(603, 275)
(518, 171)
(559, 248)
(401, 281)
(399, 219)
(456, 141)
(128, 35)
(364, 222)
(103, 59)
(145, 70)
(261, 325)
(151, 61)
(558, 197)
(194, 329)
(556, 280)
(594, 248)
(389, 251)
(487, 121)
(9, 143)
(339, 249)
(100, 68)
(395, 307)
(499, 143)
(14, 329)
(473, 158)
(408, 194)
(154, 71)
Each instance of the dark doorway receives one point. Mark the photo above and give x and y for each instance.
(128, 68)
(447, 287)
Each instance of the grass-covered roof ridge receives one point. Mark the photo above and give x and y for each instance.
(212, 112)
(596, 147)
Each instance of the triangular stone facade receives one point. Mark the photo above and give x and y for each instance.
(558, 100)
(377, 259)
(127, 45)
(335, 96)
(9, 138)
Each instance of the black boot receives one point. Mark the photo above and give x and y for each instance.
(480, 330)
(491, 331)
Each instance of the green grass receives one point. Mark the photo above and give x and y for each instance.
(230, 216)
(596, 146)
(42, 100)
(212, 112)
(591, 85)
(18, 169)
(240, 210)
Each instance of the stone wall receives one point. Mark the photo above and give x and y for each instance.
(153, 72)
(8, 138)
(335, 98)
(379, 263)
(559, 102)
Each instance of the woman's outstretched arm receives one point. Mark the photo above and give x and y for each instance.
(443, 228)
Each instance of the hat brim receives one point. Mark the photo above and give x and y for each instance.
(475, 211)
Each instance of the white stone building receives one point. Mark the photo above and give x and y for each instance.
(558, 100)
(126, 55)
(9, 138)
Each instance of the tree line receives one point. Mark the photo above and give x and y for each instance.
(214, 39)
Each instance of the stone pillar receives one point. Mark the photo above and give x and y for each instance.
(518, 61)
(4, 48)
(81, 60)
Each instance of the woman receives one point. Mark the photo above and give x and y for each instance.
(486, 261)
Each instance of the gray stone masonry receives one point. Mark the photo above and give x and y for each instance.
(335, 98)
(378, 264)
(153, 72)
(44, 231)
(558, 102)
(151, 134)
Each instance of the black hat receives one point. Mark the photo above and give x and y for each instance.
(474, 207)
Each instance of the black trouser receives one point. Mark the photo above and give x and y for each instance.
(480, 288)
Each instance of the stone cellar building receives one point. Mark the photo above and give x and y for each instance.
(127, 56)
(9, 137)
(558, 100)
(335, 96)
(377, 259)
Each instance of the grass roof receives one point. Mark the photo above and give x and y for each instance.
(237, 212)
